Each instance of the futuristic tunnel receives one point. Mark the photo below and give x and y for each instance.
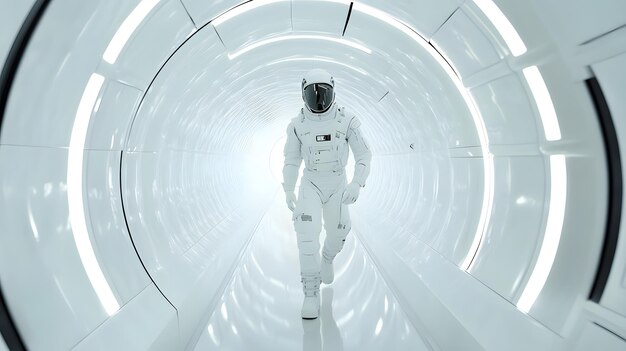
(141, 151)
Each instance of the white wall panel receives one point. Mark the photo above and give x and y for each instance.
(72, 49)
(595, 337)
(327, 17)
(458, 203)
(422, 15)
(433, 199)
(142, 56)
(166, 209)
(147, 225)
(578, 21)
(468, 49)
(108, 125)
(612, 77)
(12, 15)
(507, 111)
(408, 59)
(202, 11)
(157, 205)
(413, 180)
(261, 22)
(400, 119)
(572, 273)
(51, 299)
(108, 226)
(163, 110)
(509, 247)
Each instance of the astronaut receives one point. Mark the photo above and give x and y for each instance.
(321, 135)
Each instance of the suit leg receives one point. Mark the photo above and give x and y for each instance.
(337, 224)
(308, 224)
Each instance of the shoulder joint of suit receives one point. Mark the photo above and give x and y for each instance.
(354, 123)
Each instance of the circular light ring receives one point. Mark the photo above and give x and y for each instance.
(488, 167)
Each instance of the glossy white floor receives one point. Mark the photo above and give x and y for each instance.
(260, 308)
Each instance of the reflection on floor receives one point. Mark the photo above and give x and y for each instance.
(260, 308)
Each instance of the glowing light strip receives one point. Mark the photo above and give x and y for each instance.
(251, 5)
(75, 196)
(127, 28)
(236, 11)
(540, 92)
(503, 26)
(552, 237)
(479, 123)
(298, 37)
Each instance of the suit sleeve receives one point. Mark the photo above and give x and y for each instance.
(361, 151)
(293, 159)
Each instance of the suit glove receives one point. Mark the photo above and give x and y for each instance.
(291, 199)
(351, 193)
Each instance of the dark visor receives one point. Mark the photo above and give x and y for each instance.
(318, 97)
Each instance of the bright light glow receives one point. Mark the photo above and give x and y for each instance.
(552, 236)
(33, 225)
(127, 28)
(392, 21)
(503, 26)
(298, 37)
(251, 5)
(379, 326)
(236, 11)
(343, 320)
(212, 334)
(232, 294)
(75, 195)
(543, 100)
(479, 123)
(224, 312)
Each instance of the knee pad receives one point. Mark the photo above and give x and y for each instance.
(338, 225)
(335, 240)
(309, 252)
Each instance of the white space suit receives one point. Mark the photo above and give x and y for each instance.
(320, 135)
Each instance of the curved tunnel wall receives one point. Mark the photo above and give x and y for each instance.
(190, 156)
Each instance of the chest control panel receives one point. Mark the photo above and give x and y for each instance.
(325, 137)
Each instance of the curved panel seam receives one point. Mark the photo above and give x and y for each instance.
(8, 329)
(615, 190)
(130, 235)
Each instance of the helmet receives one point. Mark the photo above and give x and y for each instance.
(318, 90)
